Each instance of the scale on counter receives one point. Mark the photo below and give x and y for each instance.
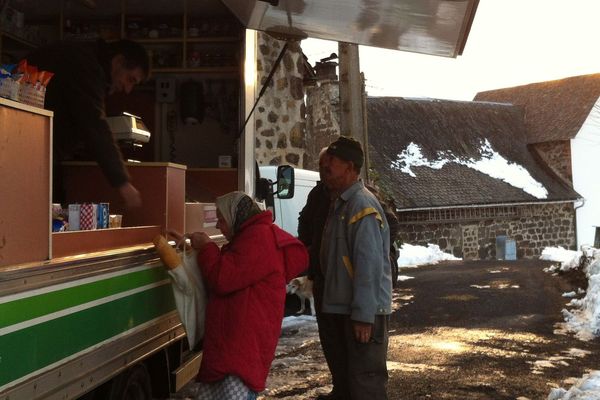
(128, 127)
(131, 133)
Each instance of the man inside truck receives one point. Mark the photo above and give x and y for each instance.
(84, 74)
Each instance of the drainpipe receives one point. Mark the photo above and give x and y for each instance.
(575, 221)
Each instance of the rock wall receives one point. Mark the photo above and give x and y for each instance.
(533, 228)
(557, 155)
(322, 119)
(281, 113)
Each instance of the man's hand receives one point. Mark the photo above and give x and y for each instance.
(362, 331)
(130, 194)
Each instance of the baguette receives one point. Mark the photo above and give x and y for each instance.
(166, 252)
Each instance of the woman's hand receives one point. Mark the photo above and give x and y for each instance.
(198, 240)
(179, 239)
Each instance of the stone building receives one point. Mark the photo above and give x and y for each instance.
(322, 111)
(281, 112)
(562, 120)
(451, 168)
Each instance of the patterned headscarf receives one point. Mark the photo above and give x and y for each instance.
(236, 208)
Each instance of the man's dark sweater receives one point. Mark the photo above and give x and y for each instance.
(76, 94)
(311, 224)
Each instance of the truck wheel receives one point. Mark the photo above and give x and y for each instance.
(133, 384)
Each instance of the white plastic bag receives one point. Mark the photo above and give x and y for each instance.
(190, 296)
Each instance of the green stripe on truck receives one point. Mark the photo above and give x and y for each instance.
(27, 350)
(53, 300)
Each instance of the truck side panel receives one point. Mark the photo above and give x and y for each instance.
(86, 324)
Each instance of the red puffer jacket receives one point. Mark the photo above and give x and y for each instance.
(246, 284)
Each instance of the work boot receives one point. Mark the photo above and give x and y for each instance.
(166, 252)
(330, 396)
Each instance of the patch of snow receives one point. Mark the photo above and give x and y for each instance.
(569, 259)
(586, 388)
(491, 163)
(413, 256)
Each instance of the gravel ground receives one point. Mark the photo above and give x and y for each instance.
(461, 331)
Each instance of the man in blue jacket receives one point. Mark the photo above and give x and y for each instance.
(357, 289)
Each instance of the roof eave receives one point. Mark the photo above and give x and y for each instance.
(481, 205)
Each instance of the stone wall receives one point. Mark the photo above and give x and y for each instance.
(322, 119)
(281, 113)
(533, 228)
(557, 155)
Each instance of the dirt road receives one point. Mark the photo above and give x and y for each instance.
(461, 330)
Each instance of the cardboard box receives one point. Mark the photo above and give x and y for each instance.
(201, 217)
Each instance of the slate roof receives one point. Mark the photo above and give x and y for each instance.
(554, 110)
(459, 127)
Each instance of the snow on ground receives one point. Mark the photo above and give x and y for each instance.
(413, 256)
(586, 388)
(568, 259)
(584, 318)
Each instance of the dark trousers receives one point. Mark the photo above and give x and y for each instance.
(358, 370)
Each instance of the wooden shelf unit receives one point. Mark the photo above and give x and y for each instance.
(119, 20)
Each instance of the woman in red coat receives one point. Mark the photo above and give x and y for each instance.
(246, 282)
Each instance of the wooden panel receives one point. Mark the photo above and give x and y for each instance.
(204, 185)
(161, 187)
(80, 242)
(24, 186)
(196, 221)
(175, 199)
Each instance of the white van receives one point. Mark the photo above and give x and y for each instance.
(285, 208)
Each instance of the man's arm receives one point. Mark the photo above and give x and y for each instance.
(306, 218)
(366, 247)
(131, 195)
(85, 94)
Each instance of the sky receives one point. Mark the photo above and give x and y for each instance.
(582, 318)
(512, 42)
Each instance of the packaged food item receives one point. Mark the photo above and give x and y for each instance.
(24, 83)
(103, 213)
(59, 224)
(115, 220)
(74, 217)
(88, 219)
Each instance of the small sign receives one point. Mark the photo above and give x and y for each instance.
(224, 161)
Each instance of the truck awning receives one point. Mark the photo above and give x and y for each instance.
(435, 27)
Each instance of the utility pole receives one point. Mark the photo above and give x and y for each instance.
(352, 100)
